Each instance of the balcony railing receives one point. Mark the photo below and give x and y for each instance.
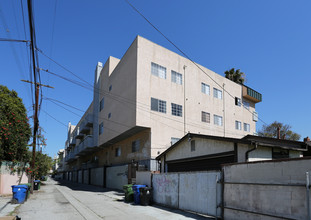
(86, 124)
(86, 145)
(251, 94)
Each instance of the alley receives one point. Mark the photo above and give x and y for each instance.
(75, 201)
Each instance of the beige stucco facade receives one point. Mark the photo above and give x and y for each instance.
(121, 106)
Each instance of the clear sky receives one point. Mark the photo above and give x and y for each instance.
(268, 40)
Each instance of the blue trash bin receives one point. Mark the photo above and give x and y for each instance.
(19, 193)
(137, 193)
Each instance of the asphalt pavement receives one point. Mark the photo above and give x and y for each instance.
(65, 200)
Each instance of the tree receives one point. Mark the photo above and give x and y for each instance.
(43, 165)
(15, 130)
(271, 130)
(235, 75)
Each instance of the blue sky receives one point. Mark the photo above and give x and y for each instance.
(268, 40)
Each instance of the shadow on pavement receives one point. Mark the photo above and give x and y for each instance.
(119, 197)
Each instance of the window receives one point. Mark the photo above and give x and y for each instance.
(109, 115)
(101, 128)
(255, 116)
(176, 77)
(135, 146)
(237, 101)
(217, 120)
(279, 153)
(158, 105)
(118, 152)
(246, 104)
(217, 93)
(205, 88)
(246, 127)
(158, 70)
(101, 104)
(193, 145)
(174, 140)
(110, 87)
(205, 117)
(176, 110)
(238, 125)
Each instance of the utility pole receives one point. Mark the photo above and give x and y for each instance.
(35, 127)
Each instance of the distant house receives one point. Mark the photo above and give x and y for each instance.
(196, 152)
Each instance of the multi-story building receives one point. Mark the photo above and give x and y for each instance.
(149, 99)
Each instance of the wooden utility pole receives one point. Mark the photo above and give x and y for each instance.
(35, 127)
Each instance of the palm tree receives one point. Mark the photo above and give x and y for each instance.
(235, 75)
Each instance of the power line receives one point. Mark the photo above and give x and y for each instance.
(182, 52)
(54, 118)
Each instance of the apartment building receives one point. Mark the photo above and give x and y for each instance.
(149, 99)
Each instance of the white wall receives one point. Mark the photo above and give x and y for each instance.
(274, 188)
(193, 191)
(143, 178)
(117, 177)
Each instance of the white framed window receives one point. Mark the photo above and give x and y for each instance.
(109, 115)
(158, 105)
(118, 152)
(205, 117)
(135, 146)
(101, 128)
(205, 88)
(176, 77)
(246, 104)
(217, 93)
(158, 70)
(110, 88)
(176, 109)
(247, 127)
(217, 120)
(174, 140)
(101, 104)
(237, 101)
(238, 125)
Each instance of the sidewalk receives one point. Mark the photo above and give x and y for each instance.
(6, 208)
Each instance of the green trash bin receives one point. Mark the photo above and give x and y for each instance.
(28, 191)
(128, 193)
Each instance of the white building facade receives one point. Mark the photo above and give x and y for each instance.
(148, 100)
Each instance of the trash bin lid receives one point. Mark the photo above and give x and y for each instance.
(37, 181)
(19, 186)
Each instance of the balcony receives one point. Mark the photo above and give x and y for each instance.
(86, 124)
(86, 146)
(251, 94)
(72, 142)
(71, 156)
(79, 134)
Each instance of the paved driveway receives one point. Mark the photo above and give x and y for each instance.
(77, 201)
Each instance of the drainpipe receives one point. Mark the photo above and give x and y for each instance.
(308, 194)
(247, 152)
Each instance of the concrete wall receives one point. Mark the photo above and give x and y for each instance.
(117, 177)
(143, 177)
(265, 189)
(97, 176)
(193, 191)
